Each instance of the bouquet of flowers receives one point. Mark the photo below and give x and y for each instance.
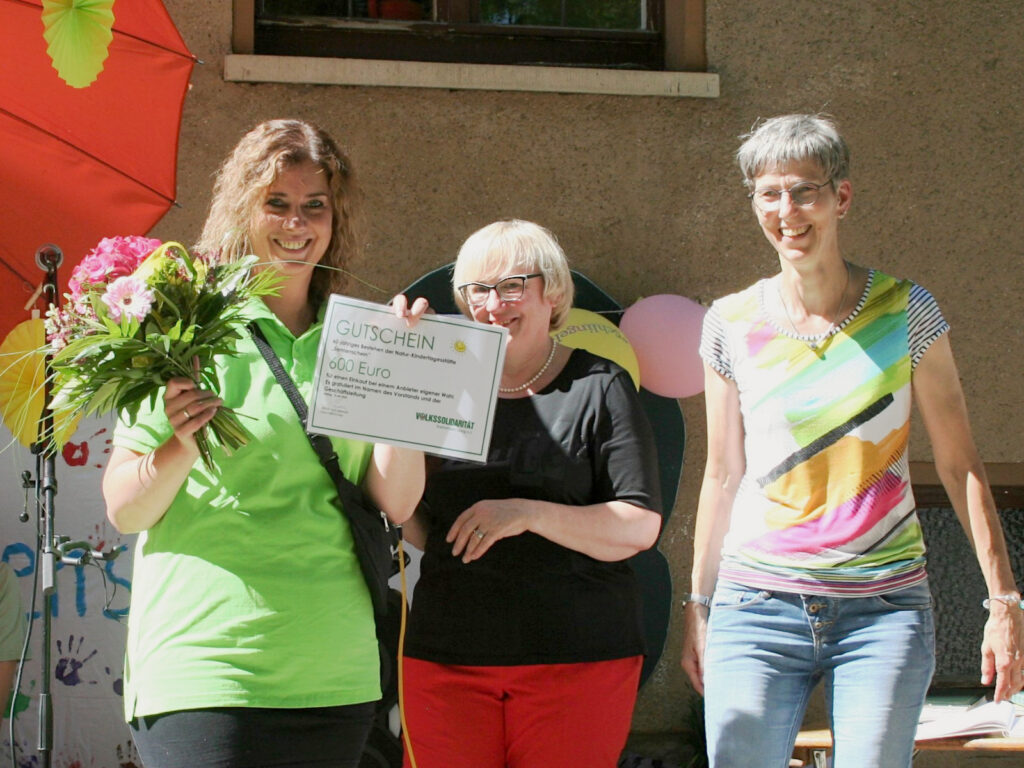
(139, 313)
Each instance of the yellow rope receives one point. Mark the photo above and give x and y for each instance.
(401, 658)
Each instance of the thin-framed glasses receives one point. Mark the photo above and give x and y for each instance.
(803, 194)
(509, 288)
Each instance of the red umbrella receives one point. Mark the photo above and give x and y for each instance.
(81, 163)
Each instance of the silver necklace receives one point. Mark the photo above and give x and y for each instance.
(816, 341)
(521, 387)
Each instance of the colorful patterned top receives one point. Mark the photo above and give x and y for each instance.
(825, 504)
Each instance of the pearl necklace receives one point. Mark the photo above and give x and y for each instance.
(816, 341)
(521, 387)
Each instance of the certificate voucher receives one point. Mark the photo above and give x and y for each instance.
(432, 387)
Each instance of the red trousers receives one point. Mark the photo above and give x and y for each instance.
(527, 716)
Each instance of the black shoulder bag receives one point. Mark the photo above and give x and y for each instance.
(376, 540)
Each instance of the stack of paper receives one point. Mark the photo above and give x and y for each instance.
(947, 721)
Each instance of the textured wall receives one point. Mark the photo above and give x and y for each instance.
(645, 198)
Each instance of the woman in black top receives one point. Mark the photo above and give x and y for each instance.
(525, 641)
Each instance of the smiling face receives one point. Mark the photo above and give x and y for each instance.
(292, 227)
(802, 232)
(528, 320)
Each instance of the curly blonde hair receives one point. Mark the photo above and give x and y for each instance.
(253, 165)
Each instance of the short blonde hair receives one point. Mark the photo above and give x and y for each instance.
(253, 165)
(514, 246)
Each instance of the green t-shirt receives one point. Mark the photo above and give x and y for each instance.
(248, 591)
(12, 619)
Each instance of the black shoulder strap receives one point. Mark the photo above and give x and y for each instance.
(346, 489)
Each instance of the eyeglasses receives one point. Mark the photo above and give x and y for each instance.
(803, 194)
(509, 288)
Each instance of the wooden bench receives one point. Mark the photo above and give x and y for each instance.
(813, 746)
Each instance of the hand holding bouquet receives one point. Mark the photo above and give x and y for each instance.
(140, 313)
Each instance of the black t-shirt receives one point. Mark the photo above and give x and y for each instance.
(582, 440)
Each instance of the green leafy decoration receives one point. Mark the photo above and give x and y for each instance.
(78, 36)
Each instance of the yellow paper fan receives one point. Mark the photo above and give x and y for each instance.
(22, 365)
(78, 36)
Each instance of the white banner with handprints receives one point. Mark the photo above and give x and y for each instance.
(90, 606)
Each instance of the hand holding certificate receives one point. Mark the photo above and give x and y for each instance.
(432, 387)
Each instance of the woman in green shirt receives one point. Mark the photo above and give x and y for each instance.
(251, 636)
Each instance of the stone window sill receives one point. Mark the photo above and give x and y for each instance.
(248, 68)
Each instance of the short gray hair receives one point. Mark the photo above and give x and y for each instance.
(781, 141)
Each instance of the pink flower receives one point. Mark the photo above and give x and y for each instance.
(113, 257)
(128, 295)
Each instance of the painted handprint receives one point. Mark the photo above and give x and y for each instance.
(118, 685)
(70, 666)
(128, 756)
(77, 454)
(26, 755)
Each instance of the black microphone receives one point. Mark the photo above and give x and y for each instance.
(49, 257)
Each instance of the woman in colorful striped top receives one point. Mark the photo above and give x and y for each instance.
(806, 533)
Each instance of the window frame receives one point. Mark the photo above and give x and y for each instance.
(678, 47)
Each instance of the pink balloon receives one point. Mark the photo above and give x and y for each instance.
(664, 331)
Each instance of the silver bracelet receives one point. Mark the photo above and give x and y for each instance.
(1011, 599)
(696, 597)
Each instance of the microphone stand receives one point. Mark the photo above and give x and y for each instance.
(53, 548)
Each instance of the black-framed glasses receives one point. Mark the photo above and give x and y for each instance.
(803, 194)
(509, 288)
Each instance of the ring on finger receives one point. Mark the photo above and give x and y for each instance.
(188, 416)
(478, 533)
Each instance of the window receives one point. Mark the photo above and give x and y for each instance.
(620, 34)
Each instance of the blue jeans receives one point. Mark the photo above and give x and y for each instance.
(766, 651)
